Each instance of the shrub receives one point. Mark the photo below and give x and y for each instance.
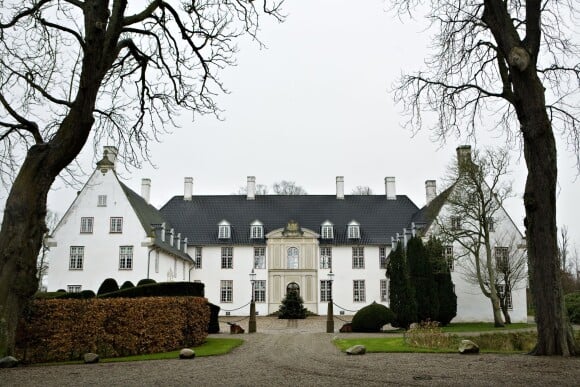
(146, 281)
(127, 285)
(109, 285)
(162, 289)
(214, 325)
(292, 307)
(83, 295)
(371, 318)
(573, 306)
(428, 334)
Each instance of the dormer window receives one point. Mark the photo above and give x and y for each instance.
(327, 230)
(257, 230)
(224, 230)
(353, 230)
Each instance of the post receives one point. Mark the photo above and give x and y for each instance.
(252, 322)
(330, 309)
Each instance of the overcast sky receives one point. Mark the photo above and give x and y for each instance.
(314, 105)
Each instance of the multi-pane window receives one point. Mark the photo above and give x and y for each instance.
(102, 201)
(224, 231)
(126, 257)
(77, 254)
(384, 288)
(226, 291)
(382, 257)
(259, 257)
(87, 225)
(327, 231)
(257, 231)
(506, 294)
(491, 224)
(358, 290)
(116, 225)
(501, 258)
(326, 257)
(260, 291)
(227, 257)
(455, 223)
(198, 261)
(353, 231)
(293, 258)
(448, 256)
(74, 288)
(325, 291)
(358, 257)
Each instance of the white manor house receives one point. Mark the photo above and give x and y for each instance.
(287, 241)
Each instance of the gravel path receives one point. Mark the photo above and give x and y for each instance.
(297, 356)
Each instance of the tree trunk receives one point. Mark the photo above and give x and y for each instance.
(504, 310)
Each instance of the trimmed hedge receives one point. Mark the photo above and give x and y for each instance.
(60, 330)
(214, 325)
(109, 285)
(127, 285)
(162, 289)
(573, 306)
(371, 318)
(83, 295)
(146, 281)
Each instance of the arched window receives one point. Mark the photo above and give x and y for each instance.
(292, 258)
(293, 287)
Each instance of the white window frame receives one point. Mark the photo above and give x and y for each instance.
(358, 257)
(358, 291)
(102, 201)
(198, 257)
(87, 223)
(260, 291)
(125, 257)
(224, 230)
(491, 224)
(327, 230)
(502, 256)
(326, 257)
(256, 231)
(293, 260)
(227, 257)
(325, 290)
(448, 256)
(259, 257)
(384, 290)
(382, 257)
(353, 230)
(455, 223)
(76, 258)
(226, 291)
(116, 225)
(74, 288)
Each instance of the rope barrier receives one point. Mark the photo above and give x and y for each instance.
(340, 307)
(231, 310)
(338, 318)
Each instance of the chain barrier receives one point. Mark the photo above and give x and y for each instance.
(340, 307)
(344, 321)
(231, 310)
(235, 322)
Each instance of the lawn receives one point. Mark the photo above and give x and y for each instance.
(386, 344)
(483, 327)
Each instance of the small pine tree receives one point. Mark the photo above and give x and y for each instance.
(421, 276)
(109, 285)
(292, 306)
(442, 275)
(401, 293)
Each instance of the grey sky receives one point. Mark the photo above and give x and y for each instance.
(316, 104)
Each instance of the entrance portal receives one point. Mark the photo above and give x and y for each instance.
(293, 287)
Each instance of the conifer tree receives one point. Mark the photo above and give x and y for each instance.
(401, 293)
(292, 306)
(421, 277)
(442, 275)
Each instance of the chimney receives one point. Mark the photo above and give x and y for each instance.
(251, 191)
(390, 188)
(463, 156)
(185, 245)
(430, 190)
(178, 241)
(171, 232)
(163, 232)
(340, 187)
(111, 152)
(188, 189)
(146, 189)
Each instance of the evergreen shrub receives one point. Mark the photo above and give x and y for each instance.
(83, 295)
(292, 307)
(146, 281)
(371, 318)
(109, 285)
(161, 289)
(127, 285)
(214, 325)
(573, 306)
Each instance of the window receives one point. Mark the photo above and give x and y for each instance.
(504, 292)
(327, 230)
(448, 256)
(116, 225)
(126, 257)
(260, 291)
(259, 257)
(491, 224)
(358, 291)
(501, 258)
(382, 257)
(198, 261)
(358, 258)
(102, 201)
(384, 288)
(77, 254)
(257, 230)
(293, 258)
(227, 257)
(87, 225)
(455, 223)
(325, 291)
(353, 230)
(224, 230)
(227, 291)
(74, 288)
(326, 257)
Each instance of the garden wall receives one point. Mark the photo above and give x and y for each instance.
(58, 330)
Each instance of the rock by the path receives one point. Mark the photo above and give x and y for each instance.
(186, 353)
(91, 358)
(356, 350)
(346, 328)
(467, 347)
(8, 362)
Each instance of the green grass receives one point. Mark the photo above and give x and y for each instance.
(386, 344)
(483, 327)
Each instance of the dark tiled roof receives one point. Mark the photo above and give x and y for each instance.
(379, 218)
(428, 213)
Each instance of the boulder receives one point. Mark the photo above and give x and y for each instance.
(468, 346)
(8, 362)
(186, 353)
(356, 350)
(235, 329)
(346, 328)
(91, 358)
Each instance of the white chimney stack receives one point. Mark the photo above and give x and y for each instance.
(390, 188)
(463, 156)
(188, 188)
(163, 232)
(430, 190)
(178, 241)
(146, 189)
(185, 245)
(111, 153)
(251, 191)
(340, 187)
(171, 233)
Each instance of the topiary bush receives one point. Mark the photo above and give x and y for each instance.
(214, 325)
(109, 285)
(83, 295)
(127, 285)
(146, 281)
(162, 289)
(371, 318)
(573, 306)
(292, 307)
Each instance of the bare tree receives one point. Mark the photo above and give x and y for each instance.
(42, 262)
(362, 190)
(288, 188)
(473, 206)
(515, 63)
(563, 247)
(106, 70)
(261, 189)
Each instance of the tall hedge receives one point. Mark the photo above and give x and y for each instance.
(371, 318)
(445, 293)
(161, 289)
(401, 293)
(421, 276)
(109, 285)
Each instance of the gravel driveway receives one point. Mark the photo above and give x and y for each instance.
(278, 356)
